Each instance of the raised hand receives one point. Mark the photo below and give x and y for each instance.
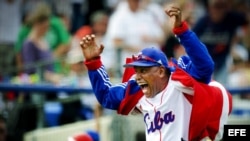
(174, 12)
(89, 47)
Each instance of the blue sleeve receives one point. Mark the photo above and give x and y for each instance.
(107, 95)
(198, 63)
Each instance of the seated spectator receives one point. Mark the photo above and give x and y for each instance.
(36, 53)
(57, 37)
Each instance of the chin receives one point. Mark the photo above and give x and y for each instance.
(148, 95)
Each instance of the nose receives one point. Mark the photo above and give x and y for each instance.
(137, 76)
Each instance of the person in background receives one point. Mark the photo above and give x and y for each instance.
(77, 74)
(36, 50)
(57, 36)
(239, 71)
(216, 30)
(128, 30)
(98, 26)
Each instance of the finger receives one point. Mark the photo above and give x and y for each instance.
(92, 37)
(83, 38)
(174, 13)
(173, 10)
(101, 48)
(166, 11)
(82, 44)
(174, 7)
(85, 41)
(88, 37)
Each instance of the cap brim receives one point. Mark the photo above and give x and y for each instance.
(141, 64)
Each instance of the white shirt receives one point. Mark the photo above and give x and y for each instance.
(131, 27)
(167, 115)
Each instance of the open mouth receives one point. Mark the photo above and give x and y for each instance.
(143, 86)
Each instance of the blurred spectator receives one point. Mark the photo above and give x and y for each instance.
(58, 39)
(217, 30)
(63, 10)
(131, 28)
(111, 5)
(98, 27)
(82, 108)
(239, 73)
(157, 12)
(27, 6)
(92, 7)
(77, 75)
(35, 48)
(243, 33)
(10, 22)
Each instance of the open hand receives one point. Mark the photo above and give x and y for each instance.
(174, 12)
(89, 47)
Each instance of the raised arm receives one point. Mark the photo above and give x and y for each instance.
(198, 63)
(109, 96)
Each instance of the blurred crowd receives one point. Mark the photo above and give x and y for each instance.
(39, 41)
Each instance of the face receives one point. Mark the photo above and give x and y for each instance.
(150, 80)
(100, 27)
(43, 27)
(217, 10)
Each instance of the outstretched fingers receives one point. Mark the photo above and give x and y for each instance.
(87, 41)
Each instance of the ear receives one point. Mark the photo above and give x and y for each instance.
(162, 72)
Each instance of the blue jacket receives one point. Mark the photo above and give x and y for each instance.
(198, 64)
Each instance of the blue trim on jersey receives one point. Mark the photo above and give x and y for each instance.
(198, 64)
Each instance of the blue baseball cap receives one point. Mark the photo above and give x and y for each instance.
(149, 57)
